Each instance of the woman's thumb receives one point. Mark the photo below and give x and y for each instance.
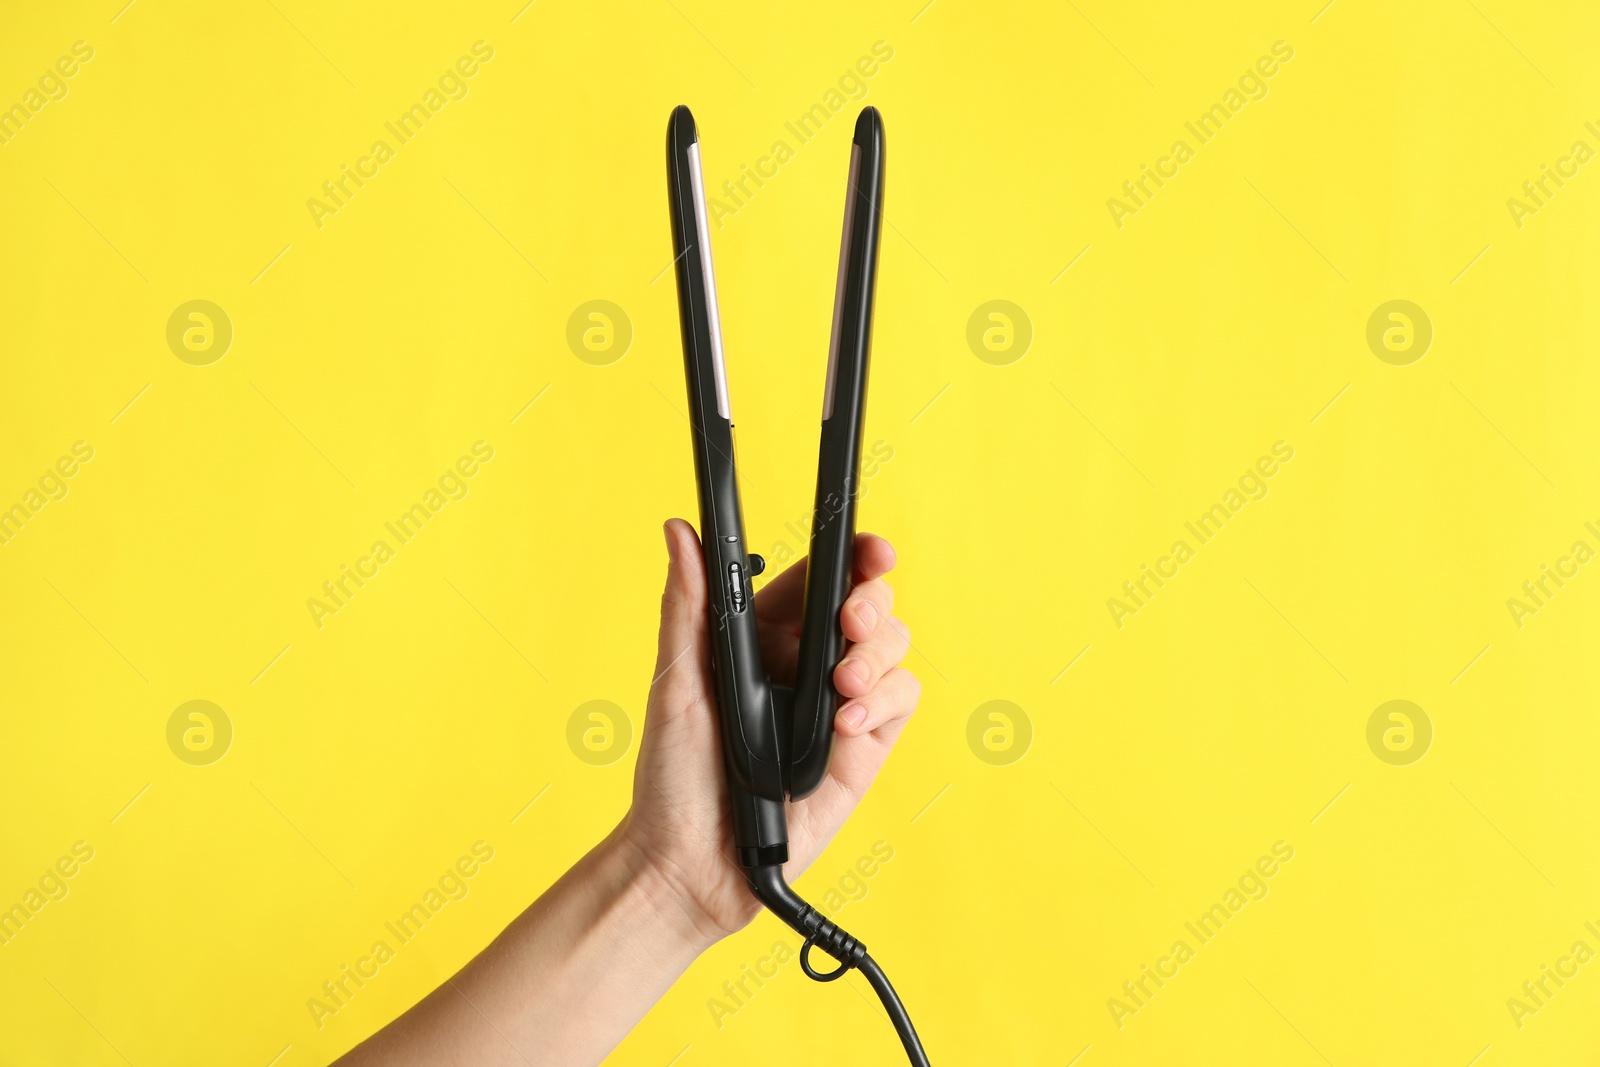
(683, 602)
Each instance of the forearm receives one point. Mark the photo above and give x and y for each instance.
(564, 983)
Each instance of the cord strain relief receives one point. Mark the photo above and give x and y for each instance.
(836, 941)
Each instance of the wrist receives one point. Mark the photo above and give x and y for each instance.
(655, 887)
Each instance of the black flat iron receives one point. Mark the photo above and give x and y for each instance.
(776, 740)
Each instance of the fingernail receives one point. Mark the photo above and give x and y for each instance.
(857, 668)
(666, 533)
(867, 614)
(854, 714)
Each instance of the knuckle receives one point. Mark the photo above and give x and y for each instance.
(885, 593)
(880, 707)
(878, 659)
(902, 632)
(875, 654)
(876, 590)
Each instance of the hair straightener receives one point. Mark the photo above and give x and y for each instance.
(775, 739)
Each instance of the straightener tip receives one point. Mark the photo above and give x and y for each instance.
(869, 128)
(681, 128)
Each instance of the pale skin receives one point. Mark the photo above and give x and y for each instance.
(573, 974)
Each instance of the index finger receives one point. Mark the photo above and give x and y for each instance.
(781, 600)
(875, 557)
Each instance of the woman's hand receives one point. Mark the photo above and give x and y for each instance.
(567, 980)
(679, 823)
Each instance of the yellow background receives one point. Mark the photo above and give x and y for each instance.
(1228, 314)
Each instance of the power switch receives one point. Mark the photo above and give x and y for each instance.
(736, 586)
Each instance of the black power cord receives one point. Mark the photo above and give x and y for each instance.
(768, 886)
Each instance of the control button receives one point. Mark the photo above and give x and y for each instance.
(757, 564)
(736, 586)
